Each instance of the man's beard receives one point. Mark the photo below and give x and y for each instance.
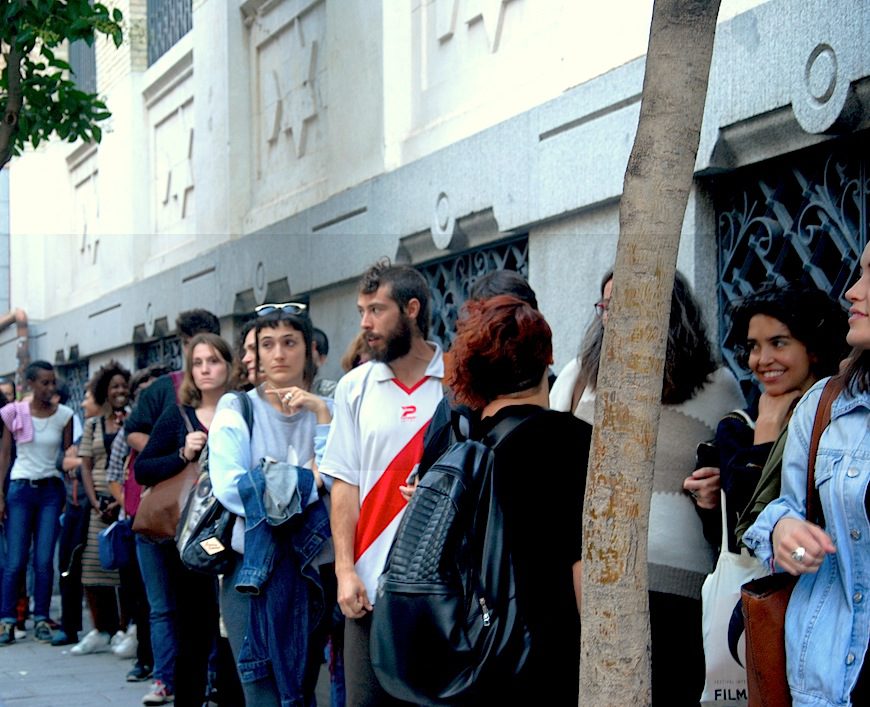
(395, 344)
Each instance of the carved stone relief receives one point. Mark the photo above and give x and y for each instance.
(174, 178)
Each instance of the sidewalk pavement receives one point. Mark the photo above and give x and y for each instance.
(39, 675)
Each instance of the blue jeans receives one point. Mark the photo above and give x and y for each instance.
(184, 619)
(32, 512)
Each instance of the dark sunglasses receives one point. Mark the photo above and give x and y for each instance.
(297, 308)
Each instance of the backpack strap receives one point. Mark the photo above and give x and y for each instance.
(504, 428)
(247, 408)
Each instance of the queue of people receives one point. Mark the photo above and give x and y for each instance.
(318, 476)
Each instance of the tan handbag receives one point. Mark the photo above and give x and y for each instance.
(765, 600)
(160, 505)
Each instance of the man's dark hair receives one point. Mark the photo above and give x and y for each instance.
(143, 375)
(32, 371)
(405, 283)
(503, 282)
(197, 321)
(321, 341)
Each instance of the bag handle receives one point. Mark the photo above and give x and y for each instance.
(832, 389)
(187, 423)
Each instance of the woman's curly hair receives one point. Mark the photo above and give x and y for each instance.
(99, 383)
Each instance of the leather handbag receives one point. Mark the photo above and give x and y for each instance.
(765, 600)
(160, 505)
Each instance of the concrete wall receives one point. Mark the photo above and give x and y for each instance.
(281, 147)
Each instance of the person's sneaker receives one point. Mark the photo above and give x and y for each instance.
(140, 673)
(20, 631)
(117, 638)
(7, 634)
(62, 638)
(42, 632)
(93, 642)
(126, 648)
(159, 695)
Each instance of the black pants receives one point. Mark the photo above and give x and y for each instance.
(363, 688)
(134, 603)
(678, 668)
(73, 536)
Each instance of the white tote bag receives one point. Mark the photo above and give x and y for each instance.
(724, 643)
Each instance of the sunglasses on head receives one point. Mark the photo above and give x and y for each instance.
(297, 308)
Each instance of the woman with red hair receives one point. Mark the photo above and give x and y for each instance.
(499, 368)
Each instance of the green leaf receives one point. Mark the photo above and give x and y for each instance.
(97, 133)
(117, 15)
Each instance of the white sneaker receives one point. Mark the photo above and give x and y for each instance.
(94, 642)
(158, 695)
(126, 648)
(117, 638)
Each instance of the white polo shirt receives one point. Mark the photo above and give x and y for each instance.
(375, 441)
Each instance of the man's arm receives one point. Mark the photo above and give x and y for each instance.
(137, 440)
(352, 596)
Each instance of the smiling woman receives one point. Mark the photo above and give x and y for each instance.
(827, 628)
(792, 336)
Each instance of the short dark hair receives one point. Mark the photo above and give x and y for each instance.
(99, 384)
(299, 322)
(197, 321)
(405, 283)
(33, 369)
(503, 345)
(321, 341)
(812, 317)
(503, 282)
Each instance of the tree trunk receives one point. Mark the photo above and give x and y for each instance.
(14, 103)
(615, 650)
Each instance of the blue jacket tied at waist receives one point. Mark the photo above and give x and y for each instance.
(283, 536)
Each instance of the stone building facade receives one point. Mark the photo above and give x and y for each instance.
(266, 150)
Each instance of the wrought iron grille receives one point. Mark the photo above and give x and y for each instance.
(168, 21)
(75, 375)
(800, 218)
(83, 64)
(451, 278)
(166, 351)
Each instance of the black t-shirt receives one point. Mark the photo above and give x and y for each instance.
(540, 477)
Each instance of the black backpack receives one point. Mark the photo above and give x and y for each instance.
(446, 622)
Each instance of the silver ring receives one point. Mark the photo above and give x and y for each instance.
(798, 554)
(288, 397)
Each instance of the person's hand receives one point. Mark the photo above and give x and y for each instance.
(407, 490)
(295, 399)
(71, 451)
(109, 512)
(799, 547)
(194, 444)
(773, 412)
(703, 486)
(352, 597)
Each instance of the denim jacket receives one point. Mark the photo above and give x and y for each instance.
(278, 572)
(828, 618)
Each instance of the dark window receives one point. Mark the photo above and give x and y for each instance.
(451, 278)
(168, 21)
(803, 217)
(83, 64)
(75, 375)
(166, 351)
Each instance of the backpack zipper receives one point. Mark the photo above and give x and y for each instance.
(486, 615)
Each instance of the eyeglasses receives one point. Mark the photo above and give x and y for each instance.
(601, 307)
(297, 308)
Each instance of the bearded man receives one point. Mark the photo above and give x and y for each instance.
(382, 411)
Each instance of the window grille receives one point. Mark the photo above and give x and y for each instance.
(168, 21)
(83, 65)
(451, 278)
(799, 218)
(76, 376)
(166, 352)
